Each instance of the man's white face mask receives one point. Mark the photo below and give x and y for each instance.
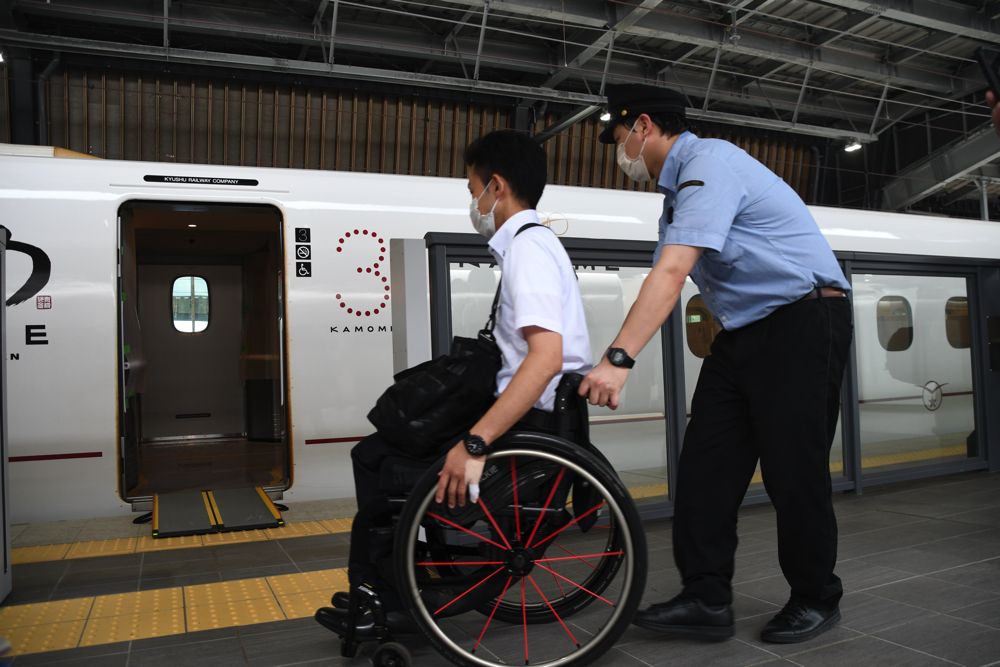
(634, 167)
(485, 224)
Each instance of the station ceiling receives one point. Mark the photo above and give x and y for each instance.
(840, 70)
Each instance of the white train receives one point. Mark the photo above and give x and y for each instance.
(182, 325)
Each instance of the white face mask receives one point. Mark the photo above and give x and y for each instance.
(634, 167)
(485, 224)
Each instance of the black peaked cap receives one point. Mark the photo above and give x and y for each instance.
(627, 101)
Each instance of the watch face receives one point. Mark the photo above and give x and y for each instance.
(617, 357)
(475, 445)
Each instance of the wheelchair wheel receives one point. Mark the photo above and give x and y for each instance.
(391, 654)
(547, 568)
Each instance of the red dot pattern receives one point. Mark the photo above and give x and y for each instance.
(373, 270)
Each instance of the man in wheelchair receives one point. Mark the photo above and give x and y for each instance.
(542, 335)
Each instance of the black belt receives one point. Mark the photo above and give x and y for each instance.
(824, 293)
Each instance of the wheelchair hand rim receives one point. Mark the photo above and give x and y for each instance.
(596, 639)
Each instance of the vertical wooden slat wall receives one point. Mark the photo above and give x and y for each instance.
(5, 105)
(132, 117)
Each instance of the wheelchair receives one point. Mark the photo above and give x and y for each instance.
(547, 568)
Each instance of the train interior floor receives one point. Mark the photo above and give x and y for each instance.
(920, 563)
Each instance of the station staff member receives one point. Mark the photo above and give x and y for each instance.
(769, 390)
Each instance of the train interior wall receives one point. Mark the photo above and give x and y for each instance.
(201, 344)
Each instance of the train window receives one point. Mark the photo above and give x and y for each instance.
(956, 321)
(701, 327)
(895, 323)
(189, 303)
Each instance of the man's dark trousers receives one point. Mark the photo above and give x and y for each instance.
(768, 391)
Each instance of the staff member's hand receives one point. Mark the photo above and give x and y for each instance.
(603, 385)
(461, 471)
(992, 101)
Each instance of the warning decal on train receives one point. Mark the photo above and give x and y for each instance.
(199, 180)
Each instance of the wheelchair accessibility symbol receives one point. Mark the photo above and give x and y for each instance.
(303, 252)
(303, 269)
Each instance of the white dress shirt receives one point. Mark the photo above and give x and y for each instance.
(539, 289)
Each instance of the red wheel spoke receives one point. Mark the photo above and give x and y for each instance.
(495, 605)
(554, 612)
(463, 529)
(570, 581)
(462, 562)
(469, 590)
(580, 556)
(541, 515)
(517, 507)
(571, 523)
(562, 591)
(565, 550)
(489, 516)
(524, 621)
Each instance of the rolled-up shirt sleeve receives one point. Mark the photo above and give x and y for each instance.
(709, 194)
(532, 275)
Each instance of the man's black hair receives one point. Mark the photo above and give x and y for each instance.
(513, 155)
(669, 123)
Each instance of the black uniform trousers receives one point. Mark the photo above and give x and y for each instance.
(382, 472)
(768, 391)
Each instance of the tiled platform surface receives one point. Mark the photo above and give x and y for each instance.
(920, 563)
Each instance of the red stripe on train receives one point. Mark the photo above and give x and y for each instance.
(324, 441)
(55, 457)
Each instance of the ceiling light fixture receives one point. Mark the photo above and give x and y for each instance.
(192, 225)
(606, 116)
(852, 146)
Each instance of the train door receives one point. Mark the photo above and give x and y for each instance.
(203, 403)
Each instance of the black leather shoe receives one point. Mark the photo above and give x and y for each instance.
(684, 615)
(341, 600)
(799, 621)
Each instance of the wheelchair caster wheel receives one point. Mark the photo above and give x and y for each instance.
(391, 654)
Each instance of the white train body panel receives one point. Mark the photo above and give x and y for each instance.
(63, 395)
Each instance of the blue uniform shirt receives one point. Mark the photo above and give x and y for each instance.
(763, 249)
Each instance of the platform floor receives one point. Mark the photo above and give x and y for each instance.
(920, 563)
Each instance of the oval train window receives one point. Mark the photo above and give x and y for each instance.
(956, 321)
(701, 327)
(189, 303)
(895, 323)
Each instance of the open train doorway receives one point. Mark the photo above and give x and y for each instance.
(203, 402)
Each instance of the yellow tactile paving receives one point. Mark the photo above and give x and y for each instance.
(319, 580)
(111, 629)
(648, 491)
(234, 537)
(38, 554)
(226, 591)
(50, 626)
(300, 529)
(142, 602)
(38, 613)
(40, 638)
(236, 612)
(123, 545)
(165, 543)
(303, 605)
(338, 525)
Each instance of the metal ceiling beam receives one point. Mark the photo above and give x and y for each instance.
(695, 31)
(398, 41)
(566, 123)
(953, 17)
(395, 77)
(636, 14)
(951, 163)
(927, 44)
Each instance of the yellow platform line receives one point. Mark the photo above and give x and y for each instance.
(114, 547)
(106, 619)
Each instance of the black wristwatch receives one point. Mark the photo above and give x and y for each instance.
(475, 445)
(619, 357)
